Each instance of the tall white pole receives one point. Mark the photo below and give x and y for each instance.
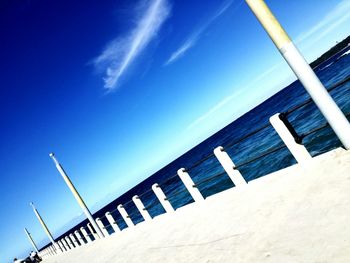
(303, 71)
(76, 195)
(47, 231)
(31, 240)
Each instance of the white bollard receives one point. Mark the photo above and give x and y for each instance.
(187, 180)
(69, 242)
(229, 166)
(162, 198)
(125, 215)
(85, 234)
(79, 237)
(298, 150)
(75, 241)
(102, 227)
(65, 244)
(141, 208)
(93, 233)
(61, 246)
(112, 222)
(51, 251)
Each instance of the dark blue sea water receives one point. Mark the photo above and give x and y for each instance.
(303, 120)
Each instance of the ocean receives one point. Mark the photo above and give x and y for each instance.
(256, 155)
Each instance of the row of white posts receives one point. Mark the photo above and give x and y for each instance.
(82, 237)
(313, 86)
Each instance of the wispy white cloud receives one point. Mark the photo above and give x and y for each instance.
(194, 37)
(122, 51)
(335, 17)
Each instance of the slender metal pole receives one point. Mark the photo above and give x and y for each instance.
(45, 227)
(31, 240)
(76, 195)
(303, 71)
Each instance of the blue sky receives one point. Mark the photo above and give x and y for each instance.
(118, 89)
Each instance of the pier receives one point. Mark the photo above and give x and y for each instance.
(295, 214)
(298, 214)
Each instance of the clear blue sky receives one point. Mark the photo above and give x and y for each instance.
(118, 89)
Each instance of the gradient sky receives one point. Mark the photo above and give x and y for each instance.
(118, 89)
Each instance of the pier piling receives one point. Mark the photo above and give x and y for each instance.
(162, 198)
(79, 237)
(112, 222)
(190, 185)
(86, 235)
(141, 208)
(229, 166)
(101, 226)
(125, 215)
(297, 149)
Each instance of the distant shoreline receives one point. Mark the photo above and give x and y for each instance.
(331, 52)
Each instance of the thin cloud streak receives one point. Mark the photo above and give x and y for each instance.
(333, 19)
(233, 96)
(194, 37)
(121, 52)
(337, 16)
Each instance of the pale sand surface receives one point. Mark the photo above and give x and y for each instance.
(299, 214)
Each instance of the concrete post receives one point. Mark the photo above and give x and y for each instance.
(162, 198)
(69, 241)
(53, 248)
(141, 208)
(92, 231)
(79, 237)
(61, 245)
(125, 215)
(298, 150)
(187, 180)
(75, 241)
(76, 195)
(44, 227)
(303, 71)
(229, 166)
(31, 240)
(66, 246)
(101, 226)
(86, 235)
(112, 222)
